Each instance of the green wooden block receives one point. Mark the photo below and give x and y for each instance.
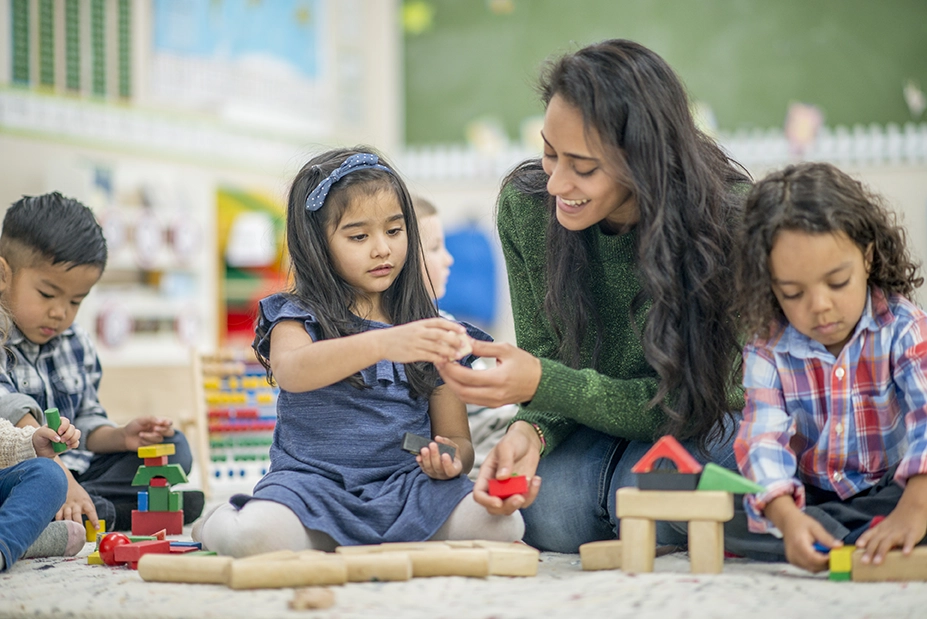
(839, 576)
(716, 477)
(175, 502)
(141, 538)
(172, 472)
(53, 421)
(158, 498)
(200, 553)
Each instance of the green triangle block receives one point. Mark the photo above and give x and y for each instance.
(716, 477)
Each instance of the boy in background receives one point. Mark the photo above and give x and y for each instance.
(52, 252)
(487, 425)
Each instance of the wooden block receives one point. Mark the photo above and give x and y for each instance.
(841, 559)
(716, 477)
(53, 421)
(156, 451)
(604, 555)
(379, 567)
(668, 480)
(473, 562)
(894, 567)
(94, 558)
(159, 461)
(513, 561)
(312, 597)
(280, 574)
(149, 523)
(504, 488)
(706, 546)
(277, 555)
(158, 499)
(185, 568)
(460, 543)
(639, 542)
(302, 554)
(413, 443)
(91, 532)
(131, 553)
(179, 550)
(669, 448)
(392, 547)
(675, 505)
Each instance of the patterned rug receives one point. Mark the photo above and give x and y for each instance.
(70, 588)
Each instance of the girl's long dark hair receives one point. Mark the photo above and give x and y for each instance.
(317, 285)
(689, 209)
(816, 198)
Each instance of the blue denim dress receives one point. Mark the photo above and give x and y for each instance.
(336, 459)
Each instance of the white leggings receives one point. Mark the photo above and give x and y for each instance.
(266, 526)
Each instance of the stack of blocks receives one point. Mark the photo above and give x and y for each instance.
(158, 508)
(703, 497)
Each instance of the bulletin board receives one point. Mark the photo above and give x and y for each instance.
(747, 59)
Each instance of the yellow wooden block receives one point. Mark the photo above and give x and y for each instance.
(841, 559)
(675, 504)
(94, 558)
(91, 532)
(895, 567)
(156, 451)
(604, 555)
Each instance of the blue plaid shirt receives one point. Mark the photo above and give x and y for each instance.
(65, 374)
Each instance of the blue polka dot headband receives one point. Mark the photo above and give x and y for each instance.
(354, 163)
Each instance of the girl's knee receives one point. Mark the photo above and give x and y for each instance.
(46, 472)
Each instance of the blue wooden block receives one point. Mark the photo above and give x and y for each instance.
(143, 501)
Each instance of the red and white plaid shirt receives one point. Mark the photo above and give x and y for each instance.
(836, 423)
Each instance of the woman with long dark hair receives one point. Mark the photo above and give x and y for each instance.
(618, 246)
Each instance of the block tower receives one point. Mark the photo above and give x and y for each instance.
(158, 508)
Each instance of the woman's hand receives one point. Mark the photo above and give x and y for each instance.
(514, 380)
(518, 453)
(437, 465)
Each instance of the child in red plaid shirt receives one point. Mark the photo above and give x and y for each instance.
(835, 422)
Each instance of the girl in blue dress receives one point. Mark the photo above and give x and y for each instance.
(353, 347)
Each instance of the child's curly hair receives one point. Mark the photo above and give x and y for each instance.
(816, 198)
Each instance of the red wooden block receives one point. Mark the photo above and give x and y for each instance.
(669, 448)
(150, 523)
(159, 461)
(504, 488)
(131, 553)
(158, 482)
(179, 550)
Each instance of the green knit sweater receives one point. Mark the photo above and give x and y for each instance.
(612, 397)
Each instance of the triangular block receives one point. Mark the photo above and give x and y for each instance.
(669, 448)
(716, 477)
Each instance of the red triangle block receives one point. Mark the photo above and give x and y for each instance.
(669, 448)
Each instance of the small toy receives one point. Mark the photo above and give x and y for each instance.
(685, 477)
(91, 532)
(504, 488)
(312, 597)
(413, 443)
(108, 546)
(53, 419)
(895, 567)
(604, 555)
(159, 507)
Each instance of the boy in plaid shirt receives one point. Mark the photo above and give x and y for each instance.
(835, 423)
(52, 252)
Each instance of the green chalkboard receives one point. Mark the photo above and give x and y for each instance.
(748, 59)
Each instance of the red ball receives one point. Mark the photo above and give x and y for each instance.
(108, 546)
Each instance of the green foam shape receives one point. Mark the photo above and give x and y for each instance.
(716, 477)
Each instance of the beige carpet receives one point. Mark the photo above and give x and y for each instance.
(746, 590)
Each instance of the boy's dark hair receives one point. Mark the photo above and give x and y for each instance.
(686, 193)
(316, 283)
(51, 228)
(815, 198)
